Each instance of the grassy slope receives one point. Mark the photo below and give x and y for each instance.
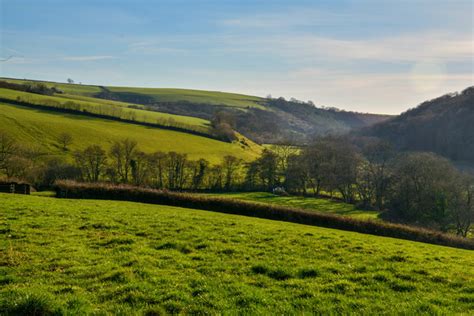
(119, 257)
(85, 90)
(141, 115)
(164, 94)
(41, 128)
(307, 203)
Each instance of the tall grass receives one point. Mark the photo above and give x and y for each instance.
(72, 189)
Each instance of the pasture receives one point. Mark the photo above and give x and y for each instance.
(106, 107)
(40, 129)
(307, 203)
(96, 257)
(161, 94)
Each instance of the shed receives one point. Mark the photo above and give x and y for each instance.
(15, 187)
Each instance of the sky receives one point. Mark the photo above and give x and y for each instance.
(367, 56)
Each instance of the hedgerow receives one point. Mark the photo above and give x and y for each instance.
(79, 190)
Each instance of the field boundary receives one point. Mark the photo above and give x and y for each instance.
(112, 118)
(104, 191)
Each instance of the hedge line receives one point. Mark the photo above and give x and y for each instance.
(85, 112)
(72, 189)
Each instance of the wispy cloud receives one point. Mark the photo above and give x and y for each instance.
(400, 48)
(291, 18)
(18, 60)
(87, 58)
(158, 46)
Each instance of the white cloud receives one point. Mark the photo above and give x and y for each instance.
(382, 92)
(402, 48)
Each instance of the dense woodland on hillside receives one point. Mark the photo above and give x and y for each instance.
(443, 125)
(276, 120)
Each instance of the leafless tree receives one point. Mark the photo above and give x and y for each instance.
(65, 140)
(91, 161)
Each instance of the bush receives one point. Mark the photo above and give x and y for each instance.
(72, 189)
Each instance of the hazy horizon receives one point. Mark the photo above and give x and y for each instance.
(360, 56)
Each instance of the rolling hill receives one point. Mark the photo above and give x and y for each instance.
(60, 256)
(39, 128)
(261, 119)
(443, 125)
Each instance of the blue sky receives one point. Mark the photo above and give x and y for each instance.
(369, 56)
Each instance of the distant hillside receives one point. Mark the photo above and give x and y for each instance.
(263, 120)
(444, 125)
(39, 130)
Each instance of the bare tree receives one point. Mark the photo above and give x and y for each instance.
(175, 167)
(140, 168)
(65, 140)
(231, 165)
(284, 151)
(157, 169)
(463, 204)
(198, 172)
(91, 161)
(122, 153)
(379, 154)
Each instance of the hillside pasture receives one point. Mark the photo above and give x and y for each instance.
(193, 96)
(40, 129)
(96, 257)
(78, 89)
(159, 94)
(106, 108)
(307, 203)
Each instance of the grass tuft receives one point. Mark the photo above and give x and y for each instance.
(35, 305)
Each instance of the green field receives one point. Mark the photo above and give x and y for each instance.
(308, 203)
(41, 128)
(162, 94)
(97, 257)
(117, 109)
(85, 90)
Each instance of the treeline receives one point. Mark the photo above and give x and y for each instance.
(118, 113)
(38, 88)
(124, 162)
(419, 188)
(71, 189)
(442, 125)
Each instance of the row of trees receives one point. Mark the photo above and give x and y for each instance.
(38, 87)
(125, 163)
(419, 188)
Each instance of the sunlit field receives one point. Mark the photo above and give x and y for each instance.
(95, 257)
(41, 128)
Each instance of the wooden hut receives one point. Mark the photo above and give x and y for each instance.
(15, 187)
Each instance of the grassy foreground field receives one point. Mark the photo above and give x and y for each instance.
(307, 203)
(41, 128)
(96, 257)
